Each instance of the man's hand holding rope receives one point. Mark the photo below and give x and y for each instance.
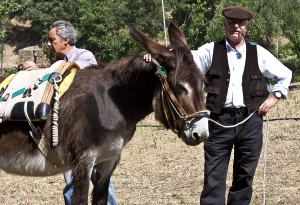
(267, 105)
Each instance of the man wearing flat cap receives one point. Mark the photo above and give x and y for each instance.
(237, 94)
(237, 12)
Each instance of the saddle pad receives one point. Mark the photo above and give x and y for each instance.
(31, 89)
(5, 82)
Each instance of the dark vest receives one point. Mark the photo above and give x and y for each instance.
(254, 83)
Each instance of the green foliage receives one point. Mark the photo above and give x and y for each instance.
(286, 51)
(294, 64)
(102, 26)
(6, 6)
(263, 26)
(294, 37)
(2, 36)
(215, 27)
(202, 22)
(192, 16)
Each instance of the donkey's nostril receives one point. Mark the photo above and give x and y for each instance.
(198, 137)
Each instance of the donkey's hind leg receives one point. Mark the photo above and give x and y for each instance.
(81, 180)
(101, 182)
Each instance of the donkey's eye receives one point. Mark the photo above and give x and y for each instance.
(182, 88)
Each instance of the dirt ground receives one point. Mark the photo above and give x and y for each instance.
(158, 168)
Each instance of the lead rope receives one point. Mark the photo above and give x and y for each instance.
(55, 110)
(232, 126)
(265, 161)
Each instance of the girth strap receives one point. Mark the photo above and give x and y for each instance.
(37, 134)
(45, 148)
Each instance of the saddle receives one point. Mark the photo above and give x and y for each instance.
(31, 93)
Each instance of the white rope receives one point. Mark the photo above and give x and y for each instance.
(164, 20)
(26, 113)
(55, 111)
(232, 126)
(265, 161)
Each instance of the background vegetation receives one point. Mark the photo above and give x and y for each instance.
(103, 25)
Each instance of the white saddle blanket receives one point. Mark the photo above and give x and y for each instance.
(28, 89)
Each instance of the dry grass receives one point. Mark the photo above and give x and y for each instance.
(158, 168)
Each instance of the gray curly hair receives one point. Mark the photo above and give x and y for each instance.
(65, 29)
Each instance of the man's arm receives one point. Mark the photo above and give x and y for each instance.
(29, 65)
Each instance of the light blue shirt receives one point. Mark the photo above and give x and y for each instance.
(270, 67)
(83, 58)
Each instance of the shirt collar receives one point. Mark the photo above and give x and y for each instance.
(70, 53)
(241, 49)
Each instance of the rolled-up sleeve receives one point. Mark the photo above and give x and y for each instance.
(272, 68)
(203, 56)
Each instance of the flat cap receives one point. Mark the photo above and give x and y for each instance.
(237, 12)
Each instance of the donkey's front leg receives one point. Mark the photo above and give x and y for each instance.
(81, 180)
(101, 180)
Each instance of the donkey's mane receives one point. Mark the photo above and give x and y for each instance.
(126, 70)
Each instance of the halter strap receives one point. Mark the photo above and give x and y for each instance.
(173, 104)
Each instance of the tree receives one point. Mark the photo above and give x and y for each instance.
(6, 6)
(202, 22)
(102, 26)
(192, 17)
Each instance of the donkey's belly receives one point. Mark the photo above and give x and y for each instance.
(28, 164)
(111, 150)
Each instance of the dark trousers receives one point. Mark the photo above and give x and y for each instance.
(246, 141)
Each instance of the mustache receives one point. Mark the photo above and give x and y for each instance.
(244, 33)
(236, 30)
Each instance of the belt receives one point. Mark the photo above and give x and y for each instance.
(234, 110)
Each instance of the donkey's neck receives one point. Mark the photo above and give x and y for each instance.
(134, 88)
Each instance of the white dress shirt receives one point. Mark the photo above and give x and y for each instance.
(270, 66)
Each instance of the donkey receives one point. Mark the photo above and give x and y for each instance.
(99, 113)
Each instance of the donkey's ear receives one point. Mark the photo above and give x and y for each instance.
(150, 45)
(177, 38)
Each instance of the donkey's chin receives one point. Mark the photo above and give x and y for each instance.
(195, 132)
